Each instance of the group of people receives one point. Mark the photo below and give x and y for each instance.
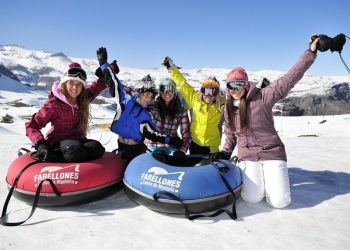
(149, 118)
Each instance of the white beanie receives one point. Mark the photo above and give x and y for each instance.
(74, 72)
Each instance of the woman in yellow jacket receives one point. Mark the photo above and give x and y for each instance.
(206, 108)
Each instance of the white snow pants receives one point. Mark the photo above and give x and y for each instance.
(266, 178)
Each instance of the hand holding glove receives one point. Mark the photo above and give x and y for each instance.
(179, 156)
(102, 55)
(324, 43)
(220, 155)
(313, 43)
(176, 142)
(169, 64)
(43, 150)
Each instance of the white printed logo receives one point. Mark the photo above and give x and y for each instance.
(69, 175)
(160, 178)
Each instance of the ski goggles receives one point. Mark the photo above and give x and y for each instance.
(236, 84)
(209, 91)
(76, 72)
(167, 89)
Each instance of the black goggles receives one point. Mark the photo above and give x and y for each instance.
(77, 72)
(167, 89)
(209, 91)
(237, 84)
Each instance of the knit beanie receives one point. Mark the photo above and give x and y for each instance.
(211, 81)
(146, 84)
(237, 78)
(74, 72)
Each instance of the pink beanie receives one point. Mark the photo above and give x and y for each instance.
(237, 74)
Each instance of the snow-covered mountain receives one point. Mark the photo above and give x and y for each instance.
(41, 69)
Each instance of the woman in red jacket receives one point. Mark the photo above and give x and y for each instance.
(68, 112)
(249, 125)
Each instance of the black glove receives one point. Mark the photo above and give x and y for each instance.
(102, 55)
(220, 155)
(179, 156)
(169, 64)
(43, 150)
(176, 142)
(115, 66)
(333, 44)
(265, 82)
(99, 73)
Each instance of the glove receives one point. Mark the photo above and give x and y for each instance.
(43, 150)
(338, 42)
(326, 43)
(99, 73)
(220, 155)
(179, 156)
(176, 142)
(169, 64)
(101, 55)
(114, 66)
(265, 82)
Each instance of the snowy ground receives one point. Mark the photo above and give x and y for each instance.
(318, 218)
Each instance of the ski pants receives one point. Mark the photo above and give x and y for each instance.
(268, 179)
(68, 150)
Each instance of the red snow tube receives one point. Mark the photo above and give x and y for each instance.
(77, 182)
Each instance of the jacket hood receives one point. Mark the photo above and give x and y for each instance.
(252, 90)
(56, 90)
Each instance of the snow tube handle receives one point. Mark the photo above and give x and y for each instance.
(222, 169)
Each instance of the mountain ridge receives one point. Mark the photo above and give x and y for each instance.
(41, 69)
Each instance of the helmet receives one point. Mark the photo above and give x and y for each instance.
(167, 85)
(146, 84)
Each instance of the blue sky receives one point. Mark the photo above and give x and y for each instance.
(256, 35)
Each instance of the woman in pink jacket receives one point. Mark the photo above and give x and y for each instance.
(67, 109)
(249, 125)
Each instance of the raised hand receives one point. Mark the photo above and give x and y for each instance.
(102, 55)
(169, 64)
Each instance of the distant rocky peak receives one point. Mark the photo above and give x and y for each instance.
(6, 72)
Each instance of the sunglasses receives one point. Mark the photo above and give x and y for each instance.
(167, 89)
(209, 91)
(77, 72)
(237, 84)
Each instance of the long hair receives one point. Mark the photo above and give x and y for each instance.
(242, 111)
(83, 103)
(167, 110)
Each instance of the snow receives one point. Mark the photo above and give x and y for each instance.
(317, 218)
(32, 60)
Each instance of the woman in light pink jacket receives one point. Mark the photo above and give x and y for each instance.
(249, 125)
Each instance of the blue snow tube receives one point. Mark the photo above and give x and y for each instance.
(157, 182)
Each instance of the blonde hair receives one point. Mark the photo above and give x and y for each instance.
(83, 103)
